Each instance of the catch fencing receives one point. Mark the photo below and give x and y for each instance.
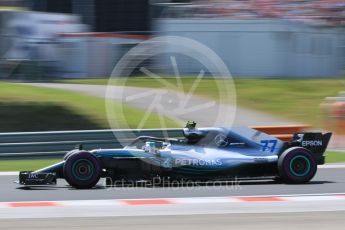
(27, 145)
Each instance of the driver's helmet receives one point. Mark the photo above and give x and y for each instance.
(150, 147)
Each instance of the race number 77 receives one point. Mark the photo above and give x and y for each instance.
(268, 145)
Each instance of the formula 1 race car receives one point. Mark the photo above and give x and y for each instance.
(203, 154)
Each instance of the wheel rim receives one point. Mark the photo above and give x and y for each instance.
(83, 169)
(300, 166)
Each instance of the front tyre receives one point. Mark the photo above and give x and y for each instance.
(297, 165)
(82, 170)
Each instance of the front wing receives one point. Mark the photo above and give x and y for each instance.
(29, 178)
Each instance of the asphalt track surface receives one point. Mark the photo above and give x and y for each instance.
(327, 180)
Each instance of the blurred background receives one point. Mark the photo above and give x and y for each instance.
(255, 38)
(287, 58)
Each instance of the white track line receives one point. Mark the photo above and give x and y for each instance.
(9, 173)
(332, 166)
(172, 206)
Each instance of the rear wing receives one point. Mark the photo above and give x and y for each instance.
(315, 142)
(283, 133)
(295, 135)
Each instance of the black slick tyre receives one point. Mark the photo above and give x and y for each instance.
(82, 170)
(296, 165)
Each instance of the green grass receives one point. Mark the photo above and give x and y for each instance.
(296, 100)
(30, 108)
(29, 165)
(335, 157)
(25, 165)
(101, 81)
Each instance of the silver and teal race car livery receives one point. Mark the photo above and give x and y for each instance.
(203, 154)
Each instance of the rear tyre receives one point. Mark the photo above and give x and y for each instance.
(297, 165)
(82, 170)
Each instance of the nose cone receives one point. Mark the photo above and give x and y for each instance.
(118, 153)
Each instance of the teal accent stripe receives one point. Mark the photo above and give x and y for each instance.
(90, 166)
(300, 174)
